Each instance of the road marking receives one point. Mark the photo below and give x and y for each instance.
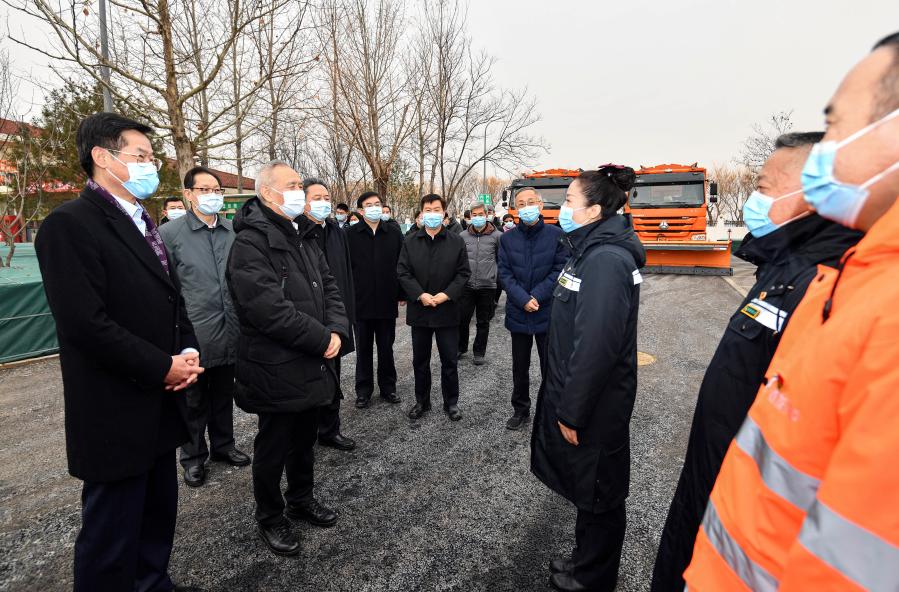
(730, 281)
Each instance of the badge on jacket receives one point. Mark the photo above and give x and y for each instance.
(763, 312)
(566, 280)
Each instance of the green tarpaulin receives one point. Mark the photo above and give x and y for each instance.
(26, 325)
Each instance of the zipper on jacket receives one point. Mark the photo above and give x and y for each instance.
(828, 305)
(283, 276)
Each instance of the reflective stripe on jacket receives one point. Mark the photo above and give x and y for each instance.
(806, 496)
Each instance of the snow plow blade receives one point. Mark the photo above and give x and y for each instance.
(688, 257)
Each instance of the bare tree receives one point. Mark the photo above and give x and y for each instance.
(735, 184)
(373, 109)
(759, 146)
(473, 121)
(168, 60)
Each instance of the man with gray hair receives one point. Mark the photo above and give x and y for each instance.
(482, 243)
(292, 326)
(787, 242)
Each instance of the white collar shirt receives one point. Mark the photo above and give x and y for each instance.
(134, 212)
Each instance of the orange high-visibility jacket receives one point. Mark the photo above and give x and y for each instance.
(808, 494)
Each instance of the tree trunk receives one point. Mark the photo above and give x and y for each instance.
(184, 148)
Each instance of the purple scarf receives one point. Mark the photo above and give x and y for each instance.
(151, 235)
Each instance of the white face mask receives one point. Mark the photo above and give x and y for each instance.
(210, 203)
(294, 202)
(175, 214)
(372, 213)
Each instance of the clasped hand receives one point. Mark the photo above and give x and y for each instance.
(433, 300)
(183, 372)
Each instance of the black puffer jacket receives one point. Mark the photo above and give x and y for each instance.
(288, 304)
(590, 380)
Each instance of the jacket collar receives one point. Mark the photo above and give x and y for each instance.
(536, 227)
(423, 233)
(616, 229)
(277, 229)
(194, 222)
(488, 229)
(812, 237)
(882, 239)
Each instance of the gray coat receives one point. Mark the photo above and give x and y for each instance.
(482, 248)
(200, 254)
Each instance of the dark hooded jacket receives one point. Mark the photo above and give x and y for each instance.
(590, 381)
(288, 304)
(337, 253)
(787, 261)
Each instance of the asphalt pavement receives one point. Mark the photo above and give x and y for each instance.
(426, 505)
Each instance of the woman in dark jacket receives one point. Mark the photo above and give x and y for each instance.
(580, 444)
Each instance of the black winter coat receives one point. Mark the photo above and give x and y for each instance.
(433, 266)
(288, 304)
(337, 253)
(374, 257)
(787, 261)
(120, 318)
(590, 381)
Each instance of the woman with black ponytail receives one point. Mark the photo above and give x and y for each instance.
(580, 446)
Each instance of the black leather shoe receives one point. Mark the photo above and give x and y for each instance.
(516, 422)
(453, 413)
(312, 512)
(561, 565)
(195, 476)
(392, 398)
(233, 457)
(279, 538)
(418, 411)
(564, 582)
(338, 441)
(362, 402)
(479, 360)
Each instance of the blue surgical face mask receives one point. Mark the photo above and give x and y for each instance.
(320, 209)
(432, 219)
(529, 214)
(479, 222)
(833, 199)
(509, 224)
(566, 219)
(372, 213)
(210, 203)
(340, 217)
(385, 217)
(354, 222)
(175, 214)
(143, 179)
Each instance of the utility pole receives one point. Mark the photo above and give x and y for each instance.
(484, 178)
(104, 51)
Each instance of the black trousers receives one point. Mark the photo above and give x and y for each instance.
(479, 303)
(447, 339)
(521, 369)
(600, 538)
(369, 332)
(127, 529)
(285, 443)
(329, 417)
(210, 405)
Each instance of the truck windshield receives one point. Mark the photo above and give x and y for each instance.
(553, 197)
(668, 195)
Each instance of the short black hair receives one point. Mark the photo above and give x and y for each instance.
(190, 177)
(168, 200)
(607, 187)
(431, 198)
(887, 99)
(384, 205)
(354, 215)
(466, 214)
(798, 139)
(310, 181)
(103, 130)
(509, 216)
(365, 196)
(342, 206)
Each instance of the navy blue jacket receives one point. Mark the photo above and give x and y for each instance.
(530, 261)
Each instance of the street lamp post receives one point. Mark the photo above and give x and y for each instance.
(104, 51)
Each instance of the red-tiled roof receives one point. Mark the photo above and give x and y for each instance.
(10, 127)
(228, 180)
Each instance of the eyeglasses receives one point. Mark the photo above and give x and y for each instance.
(142, 158)
(206, 190)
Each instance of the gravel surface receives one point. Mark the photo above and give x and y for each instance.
(430, 505)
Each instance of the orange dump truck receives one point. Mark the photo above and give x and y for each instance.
(668, 207)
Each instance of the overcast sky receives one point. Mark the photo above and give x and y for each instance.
(659, 81)
(655, 81)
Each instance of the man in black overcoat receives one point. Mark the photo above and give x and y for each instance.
(127, 350)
